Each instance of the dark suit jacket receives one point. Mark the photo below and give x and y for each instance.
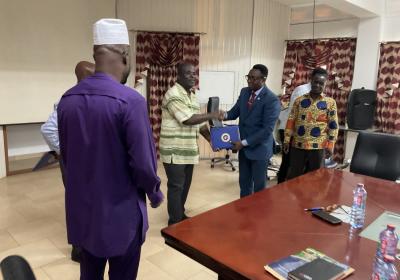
(257, 124)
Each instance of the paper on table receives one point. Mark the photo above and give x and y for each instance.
(380, 223)
(342, 213)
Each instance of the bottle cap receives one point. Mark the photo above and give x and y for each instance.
(360, 185)
(388, 258)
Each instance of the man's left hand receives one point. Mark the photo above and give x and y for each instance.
(237, 146)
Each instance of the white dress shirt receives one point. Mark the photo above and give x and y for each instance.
(297, 92)
(244, 141)
(50, 131)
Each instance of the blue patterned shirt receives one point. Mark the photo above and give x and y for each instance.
(313, 123)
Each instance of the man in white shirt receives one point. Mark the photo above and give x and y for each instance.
(49, 131)
(283, 117)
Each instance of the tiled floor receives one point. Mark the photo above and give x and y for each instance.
(32, 224)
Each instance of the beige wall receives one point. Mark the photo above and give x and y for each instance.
(44, 40)
(2, 154)
(41, 43)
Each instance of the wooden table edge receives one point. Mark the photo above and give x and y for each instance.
(224, 272)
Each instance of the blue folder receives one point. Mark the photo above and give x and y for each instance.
(222, 137)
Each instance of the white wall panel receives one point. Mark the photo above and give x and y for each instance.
(391, 30)
(239, 33)
(227, 43)
(270, 30)
(158, 15)
(392, 8)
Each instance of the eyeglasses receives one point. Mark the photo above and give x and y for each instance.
(252, 78)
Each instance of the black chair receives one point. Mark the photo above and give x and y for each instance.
(276, 149)
(227, 160)
(377, 155)
(16, 268)
(213, 106)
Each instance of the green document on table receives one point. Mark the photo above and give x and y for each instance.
(374, 229)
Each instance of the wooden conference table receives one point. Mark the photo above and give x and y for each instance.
(236, 240)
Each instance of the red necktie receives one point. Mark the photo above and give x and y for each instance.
(251, 99)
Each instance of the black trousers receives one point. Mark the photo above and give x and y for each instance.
(283, 169)
(123, 267)
(303, 161)
(179, 181)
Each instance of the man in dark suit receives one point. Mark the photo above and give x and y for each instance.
(258, 109)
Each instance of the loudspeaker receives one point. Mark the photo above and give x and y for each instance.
(361, 108)
(213, 106)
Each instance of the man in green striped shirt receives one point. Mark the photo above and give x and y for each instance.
(180, 128)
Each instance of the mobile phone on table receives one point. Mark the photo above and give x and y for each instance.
(327, 217)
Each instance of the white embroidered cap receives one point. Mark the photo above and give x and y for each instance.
(110, 31)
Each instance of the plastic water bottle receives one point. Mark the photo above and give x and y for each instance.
(387, 247)
(388, 240)
(385, 269)
(357, 216)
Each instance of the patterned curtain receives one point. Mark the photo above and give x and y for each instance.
(157, 57)
(337, 56)
(388, 107)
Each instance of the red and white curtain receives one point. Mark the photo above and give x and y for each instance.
(388, 106)
(157, 57)
(337, 57)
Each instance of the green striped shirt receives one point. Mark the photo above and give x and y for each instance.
(178, 142)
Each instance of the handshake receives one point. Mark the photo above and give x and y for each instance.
(220, 115)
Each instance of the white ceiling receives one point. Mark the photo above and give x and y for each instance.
(333, 10)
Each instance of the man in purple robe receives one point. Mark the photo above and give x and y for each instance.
(110, 162)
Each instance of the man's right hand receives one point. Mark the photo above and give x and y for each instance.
(286, 148)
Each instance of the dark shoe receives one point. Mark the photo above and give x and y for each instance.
(170, 223)
(76, 254)
(183, 218)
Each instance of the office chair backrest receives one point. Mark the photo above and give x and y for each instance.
(377, 155)
(213, 106)
(16, 268)
(361, 108)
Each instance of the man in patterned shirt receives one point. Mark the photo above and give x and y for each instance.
(178, 139)
(313, 124)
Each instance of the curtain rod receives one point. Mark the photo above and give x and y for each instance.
(322, 21)
(321, 39)
(177, 32)
(390, 42)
